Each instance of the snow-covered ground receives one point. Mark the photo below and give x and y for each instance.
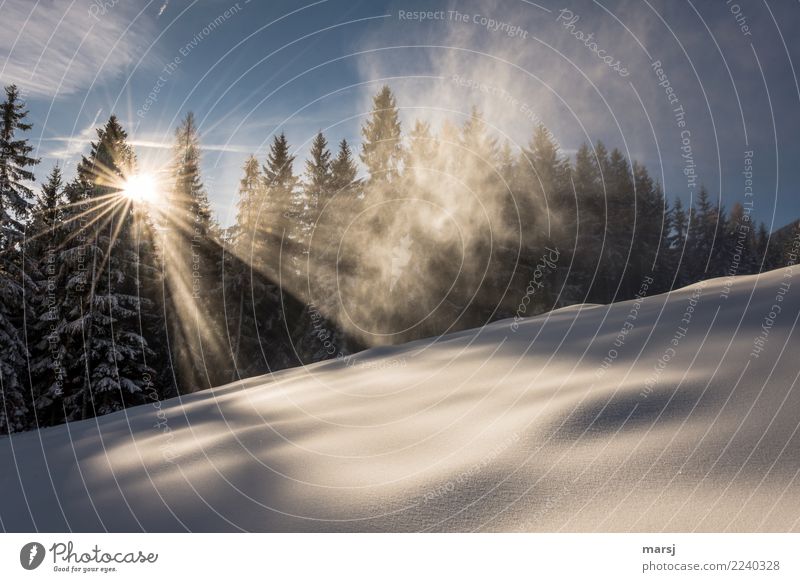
(568, 423)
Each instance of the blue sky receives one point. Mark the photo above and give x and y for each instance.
(249, 69)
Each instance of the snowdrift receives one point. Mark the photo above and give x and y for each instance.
(676, 412)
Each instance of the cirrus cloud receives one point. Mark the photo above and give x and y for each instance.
(56, 47)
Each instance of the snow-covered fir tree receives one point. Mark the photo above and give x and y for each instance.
(16, 165)
(16, 285)
(14, 399)
(109, 260)
(46, 235)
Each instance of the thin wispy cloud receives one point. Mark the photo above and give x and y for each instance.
(228, 148)
(78, 143)
(71, 146)
(60, 48)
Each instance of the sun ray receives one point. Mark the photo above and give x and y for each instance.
(78, 216)
(106, 210)
(114, 234)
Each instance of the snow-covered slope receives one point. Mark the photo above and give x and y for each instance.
(491, 429)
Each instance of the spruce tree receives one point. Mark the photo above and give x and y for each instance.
(382, 148)
(618, 249)
(106, 301)
(549, 171)
(343, 169)
(58, 365)
(189, 205)
(598, 291)
(256, 308)
(770, 250)
(318, 173)
(15, 281)
(546, 173)
(548, 210)
(738, 244)
(318, 274)
(650, 236)
(762, 238)
(320, 196)
(479, 290)
(15, 169)
(340, 255)
(282, 210)
(46, 236)
(346, 192)
(47, 215)
(14, 400)
(705, 218)
(318, 193)
(192, 259)
(788, 247)
(249, 207)
(590, 226)
(243, 273)
(678, 246)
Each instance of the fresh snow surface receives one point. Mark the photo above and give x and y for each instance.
(490, 429)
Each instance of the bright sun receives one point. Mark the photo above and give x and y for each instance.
(140, 188)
